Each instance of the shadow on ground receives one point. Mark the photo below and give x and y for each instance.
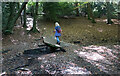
(42, 50)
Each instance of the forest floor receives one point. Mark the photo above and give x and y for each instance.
(93, 49)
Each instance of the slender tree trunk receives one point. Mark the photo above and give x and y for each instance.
(119, 25)
(119, 10)
(32, 8)
(35, 10)
(34, 21)
(19, 12)
(108, 14)
(12, 20)
(93, 18)
(90, 13)
(18, 5)
(21, 19)
(77, 9)
(24, 25)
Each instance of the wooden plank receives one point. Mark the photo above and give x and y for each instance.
(52, 42)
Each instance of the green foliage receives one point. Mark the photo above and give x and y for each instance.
(29, 7)
(66, 8)
(5, 13)
(10, 15)
(100, 9)
(53, 10)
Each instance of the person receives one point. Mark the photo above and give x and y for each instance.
(57, 32)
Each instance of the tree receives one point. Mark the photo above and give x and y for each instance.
(35, 11)
(12, 19)
(54, 10)
(99, 9)
(24, 25)
(119, 23)
(119, 10)
(108, 13)
(90, 13)
(77, 9)
(9, 22)
(51, 9)
(83, 8)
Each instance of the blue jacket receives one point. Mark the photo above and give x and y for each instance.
(57, 28)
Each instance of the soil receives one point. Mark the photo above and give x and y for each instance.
(93, 49)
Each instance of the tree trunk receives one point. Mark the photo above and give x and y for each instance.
(11, 16)
(108, 14)
(18, 5)
(12, 20)
(90, 13)
(34, 20)
(119, 25)
(119, 10)
(35, 10)
(77, 9)
(31, 11)
(21, 18)
(19, 12)
(24, 25)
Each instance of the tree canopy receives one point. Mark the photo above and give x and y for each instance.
(53, 11)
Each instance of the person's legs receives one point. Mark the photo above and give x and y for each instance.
(58, 41)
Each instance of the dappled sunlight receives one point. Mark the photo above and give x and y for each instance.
(85, 43)
(13, 40)
(64, 67)
(101, 56)
(23, 33)
(29, 23)
(18, 26)
(100, 30)
(92, 56)
(115, 21)
(101, 49)
(76, 70)
(47, 56)
(89, 26)
(69, 68)
(72, 68)
(117, 47)
(101, 20)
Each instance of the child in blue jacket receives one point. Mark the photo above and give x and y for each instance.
(57, 32)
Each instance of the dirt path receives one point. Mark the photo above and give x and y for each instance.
(20, 50)
(76, 60)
